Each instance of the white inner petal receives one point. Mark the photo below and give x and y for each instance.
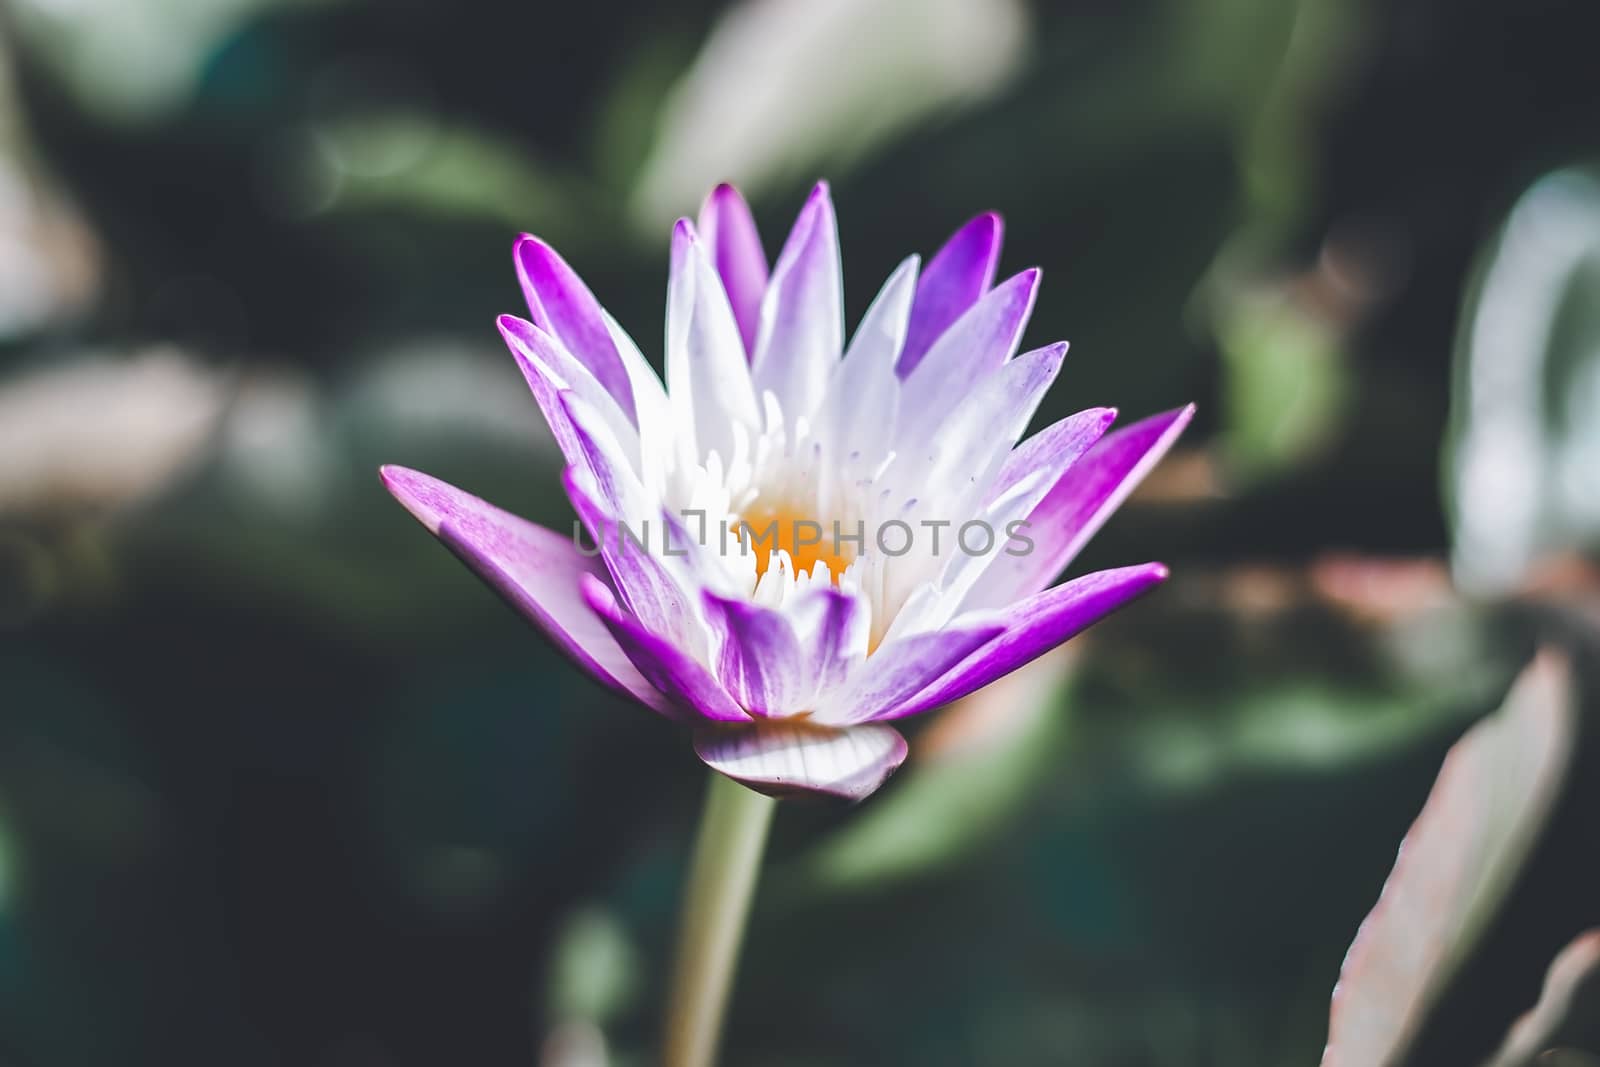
(783, 493)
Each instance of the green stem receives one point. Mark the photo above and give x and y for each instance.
(722, 880)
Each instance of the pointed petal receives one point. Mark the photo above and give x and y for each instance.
(562, 306)
(784, 758)
(902, 668)
(957, 276)
(760, 662)
(1077, 506)
(669, 668)
(980, 341)
(961, 455)
(652, 410)
(1045, 457)
(617, 485)
(638, 546)
(708, 377)
(1035, 626)
(536, 570)
(639, 577)
(1026, 476)
(730, 235)
(864, 395)
(802, 314)
(550, 370)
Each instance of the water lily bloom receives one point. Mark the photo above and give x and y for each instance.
(797, 541)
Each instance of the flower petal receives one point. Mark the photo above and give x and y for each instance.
(563, 307)
(1035, 626)
(864, 394)
(652, 410)
(833, 627)
(1077, 506)
(1026, 477)
(982, 339)
(760, 662)
(708, 377)
(536, 570)
(653, 586)
(783, 757)
(1043, 458)
(669, 668)
(957, 276)
(550, 370)
(730, 234)
(900, 669)
(802, 314)
(958, 458)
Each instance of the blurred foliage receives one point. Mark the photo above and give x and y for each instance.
(279, 783)
(1524, 452)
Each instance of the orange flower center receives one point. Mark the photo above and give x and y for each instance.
(807, 541)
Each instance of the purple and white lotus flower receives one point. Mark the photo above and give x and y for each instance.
(801, 541)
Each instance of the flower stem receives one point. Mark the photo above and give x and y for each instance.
(722, 880)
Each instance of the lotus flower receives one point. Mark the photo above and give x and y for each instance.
(798, 542)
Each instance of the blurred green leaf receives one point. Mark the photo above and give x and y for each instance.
(949, 804)
(1286, 386)
(595, 968)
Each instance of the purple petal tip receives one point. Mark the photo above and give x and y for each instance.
(511, 325)
(819, 202)
(407, 486)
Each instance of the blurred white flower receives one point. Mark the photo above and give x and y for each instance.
(103, 432)
(1523, 463)
(49, 263)
(786, 89)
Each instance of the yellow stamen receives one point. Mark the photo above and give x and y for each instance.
(807, 541)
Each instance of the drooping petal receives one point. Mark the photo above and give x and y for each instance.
(708, 377)
(536, 570)
(959, 273)
(980, 340)
(785, 758)
(1035, 626)
(1077, 506)
(562, 306)
(667, 666)
(902, 668)
(730, 234)
(802, 314)
(759, 661)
